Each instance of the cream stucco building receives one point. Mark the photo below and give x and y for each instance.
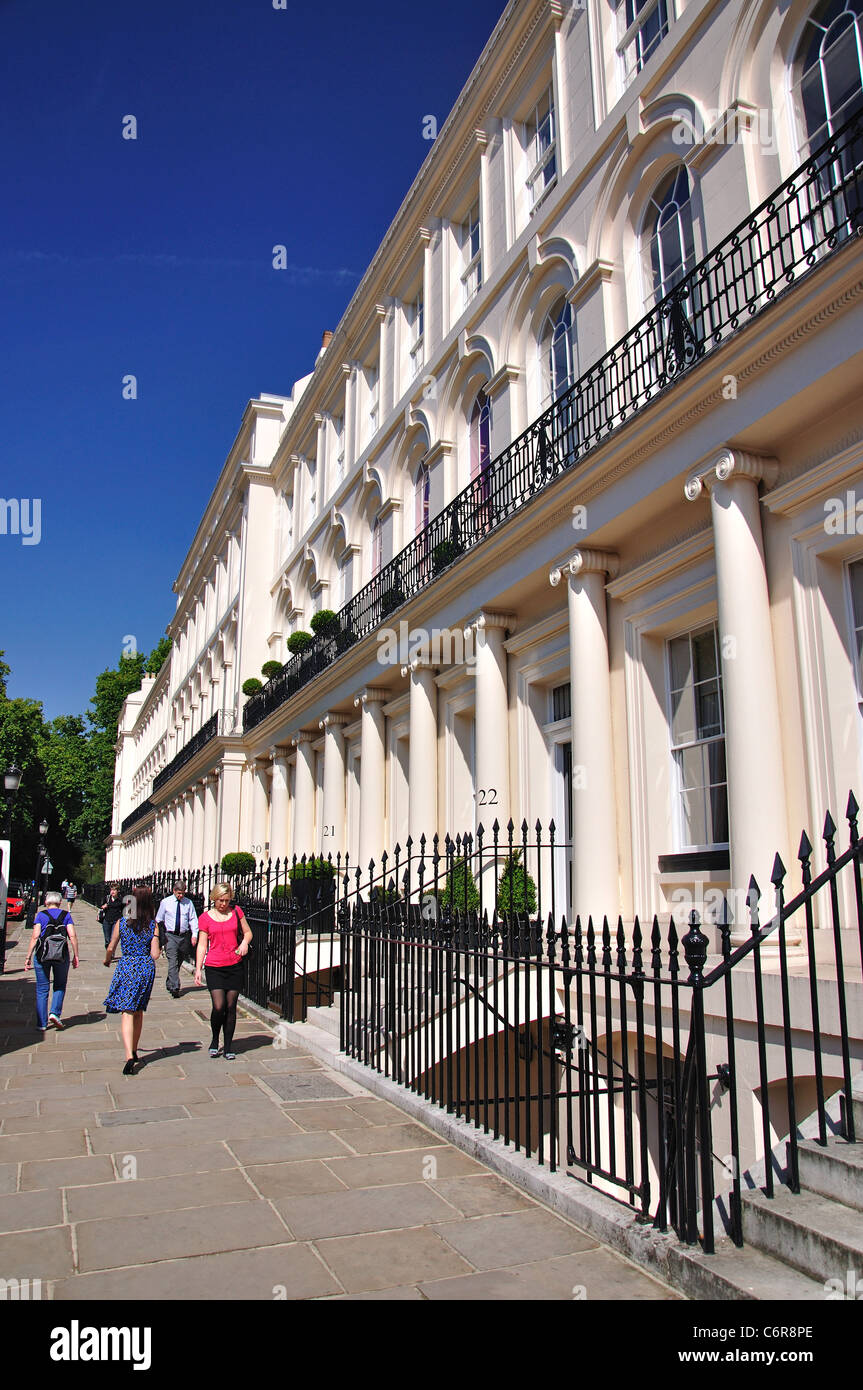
(645, 616)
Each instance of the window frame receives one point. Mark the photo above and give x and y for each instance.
(629, 38)
(542, 158)
(416, 325)
(678, 817)
(471, 263)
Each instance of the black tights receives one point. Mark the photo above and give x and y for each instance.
(224, 1015)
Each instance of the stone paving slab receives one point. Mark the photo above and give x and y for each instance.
(270, 1177)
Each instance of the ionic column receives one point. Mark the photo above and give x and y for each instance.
(753, 749)
(595, 868)
(188, 814)
(198, 793)
(279, 804)
(491, 719)
(304, 795)
(422, 753)
(211, 814)
(372, 775)
(260, 774)
(331, 833)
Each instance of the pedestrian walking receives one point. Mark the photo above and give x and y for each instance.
(71, 895)
(110, 912)
(224, 938)
(178, 916)
(132, 984)
(48, 952)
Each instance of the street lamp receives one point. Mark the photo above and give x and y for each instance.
(11, 782)
(41, 860)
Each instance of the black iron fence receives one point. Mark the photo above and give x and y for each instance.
(810, 216)
(634, 1057)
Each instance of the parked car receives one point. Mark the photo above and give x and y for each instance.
(16, 902)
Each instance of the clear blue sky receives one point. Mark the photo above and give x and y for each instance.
(154, 257)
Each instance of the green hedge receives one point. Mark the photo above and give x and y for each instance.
(313, 868)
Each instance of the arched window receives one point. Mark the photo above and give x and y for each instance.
(480, 435)
(422, 499)
(668, 239)
(377, 547)
(556, 354)
(829, 69)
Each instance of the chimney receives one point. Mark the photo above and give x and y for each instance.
(327, 339)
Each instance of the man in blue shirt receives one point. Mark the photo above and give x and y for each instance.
(178, 916)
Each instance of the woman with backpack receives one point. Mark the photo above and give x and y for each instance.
(48, 952)
(133, 979)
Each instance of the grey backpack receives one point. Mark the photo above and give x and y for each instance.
(53, 944)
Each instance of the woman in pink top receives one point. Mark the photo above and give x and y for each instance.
(224, 937)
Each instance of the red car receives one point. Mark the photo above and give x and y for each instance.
(15, 908)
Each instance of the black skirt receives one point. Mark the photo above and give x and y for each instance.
(225, 976)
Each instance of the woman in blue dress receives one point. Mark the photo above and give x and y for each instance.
(133, 979)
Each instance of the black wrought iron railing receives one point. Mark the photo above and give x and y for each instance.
(188, 751)
(138, 814)
(813, 213)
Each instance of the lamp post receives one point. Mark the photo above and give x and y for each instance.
(41, 861)
(11, 782)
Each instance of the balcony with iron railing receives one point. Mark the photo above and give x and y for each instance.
(807, 219)
(138, 814)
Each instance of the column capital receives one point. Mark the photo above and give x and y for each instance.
(371, 695)
(487, 620)
(586, 561)
(333, 721)
(420, 661)
(302, 736)
(277, 753)
(728, 464)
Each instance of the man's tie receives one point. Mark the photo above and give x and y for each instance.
(178, 925)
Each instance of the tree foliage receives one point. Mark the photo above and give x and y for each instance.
(68, 768)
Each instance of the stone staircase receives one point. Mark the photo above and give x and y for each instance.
(799, 1247)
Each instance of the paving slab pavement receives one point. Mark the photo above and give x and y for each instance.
(270, 1177)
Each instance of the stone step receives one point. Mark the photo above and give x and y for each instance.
(835, 1171)
(746, 1274)
(820, 1237)
(326, 1018)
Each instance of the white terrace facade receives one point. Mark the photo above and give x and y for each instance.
(664, 644)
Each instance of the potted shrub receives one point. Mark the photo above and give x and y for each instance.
(516, 903)
(326, 623)
(444, 554)
(281, 895)
(345, 638)
(460, 891)
(270, 669)
(252, 686)
(391, 599)
(299, 641)
(313, 885)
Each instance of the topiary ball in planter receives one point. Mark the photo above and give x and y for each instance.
(280, 894)
(326, 623)
(239, 863)
(316, 867)
(299, 641)
(270, 669)
(252, 686)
